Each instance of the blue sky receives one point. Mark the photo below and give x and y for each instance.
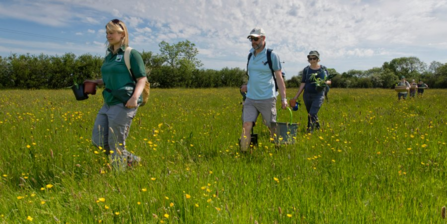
(349, 34)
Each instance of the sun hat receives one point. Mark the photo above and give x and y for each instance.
(256, 32)
(314, 53)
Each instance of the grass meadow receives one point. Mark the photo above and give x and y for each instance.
(376, 160)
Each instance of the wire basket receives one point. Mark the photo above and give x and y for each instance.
(400, 89)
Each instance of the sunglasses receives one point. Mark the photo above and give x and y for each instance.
(253, 39)
(117, 22)
(313, 58)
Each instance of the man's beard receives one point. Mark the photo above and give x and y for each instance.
(257, 46)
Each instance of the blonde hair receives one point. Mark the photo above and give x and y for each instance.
(117, 25)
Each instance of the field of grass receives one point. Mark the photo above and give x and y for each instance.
(376, 160)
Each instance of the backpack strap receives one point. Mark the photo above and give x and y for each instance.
(248, 60)
(127, 61)
(269, 61)
(305, 73)
(325, 70)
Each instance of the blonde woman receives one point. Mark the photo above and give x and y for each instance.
(122, 96)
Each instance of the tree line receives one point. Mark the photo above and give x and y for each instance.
(435, 75)
(177, 66)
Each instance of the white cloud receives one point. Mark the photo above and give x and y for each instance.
(90, 20)
(99, 43)
(132, 21)
(359, 30)
(143, 30)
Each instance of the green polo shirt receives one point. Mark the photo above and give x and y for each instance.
(116, 76)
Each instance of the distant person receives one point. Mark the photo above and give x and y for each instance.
(122, 96)
(421, 87)
(261, 88)
(313, 97)
(403, 82)
(413, 88)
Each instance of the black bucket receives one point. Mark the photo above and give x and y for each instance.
(78, 91)
(253, 139)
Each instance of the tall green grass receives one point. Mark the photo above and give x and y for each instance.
(376, 160)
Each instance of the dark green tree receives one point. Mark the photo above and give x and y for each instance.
(180, 52)
(5, 70)
(410, 67)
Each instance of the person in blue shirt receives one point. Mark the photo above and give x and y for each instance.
(313, 96)
(403, 82)
(260, 89)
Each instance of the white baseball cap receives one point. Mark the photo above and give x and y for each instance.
(256, 32)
